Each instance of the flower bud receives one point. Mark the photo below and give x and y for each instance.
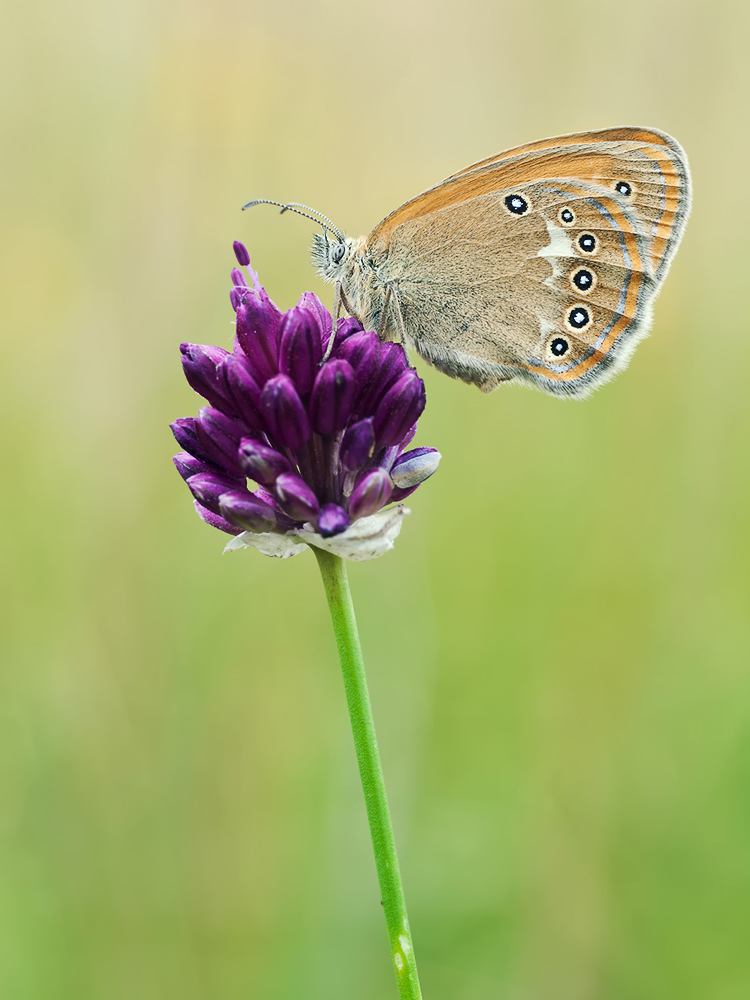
(358, 444)
(238, 278)
(240, 252)
(214, 520)
(258, 331)
(208, 487)
(413, 467)
(261, 463)
(188, 466)
(296, 498)
(371, 492)
(399, 408)
(332, 397)
(391, 365)
(242, 389)
(362, 351)
(220, 437)
(301, 348)
(284, 413)
(311, 302)
(247, 512)
(332, 520)
(186, 436)
(201, 367)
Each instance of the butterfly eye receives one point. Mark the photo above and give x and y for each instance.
(516, 204)
(567, 216)
(337, 254)
(623, 188)
(578, 318)
(559, 346)
(588, 243)
(583, 279)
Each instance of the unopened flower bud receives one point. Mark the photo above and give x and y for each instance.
(332, 520)
(240, 252)
(186, 436)
(201, 367)
(362, 351)
(391, 366)
(301, 348)
(242, 389)
(332, 397)
(413, 467)
(258, 331)
(246, 511)
(370, 493)
(187, 465)
(220, 437)
(284, 412)
(261, 463)
(296, 498)
(399, 408)
(358, 444)
(215, 520)
(208, 487)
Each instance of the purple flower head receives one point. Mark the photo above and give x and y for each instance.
(324, 440)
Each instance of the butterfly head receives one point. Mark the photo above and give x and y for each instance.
(334, 258)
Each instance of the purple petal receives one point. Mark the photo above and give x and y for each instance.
(284, 413)
(296, 498)
(332, 397)
(399, 408)
(371, 492)
(261, 463)
(301, 348)
(332, 520)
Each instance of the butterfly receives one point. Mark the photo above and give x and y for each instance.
(538, 265)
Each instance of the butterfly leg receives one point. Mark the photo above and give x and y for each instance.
(339, 300)
(391, 291)
(383, 320)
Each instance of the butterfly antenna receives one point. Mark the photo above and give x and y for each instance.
(295, 206)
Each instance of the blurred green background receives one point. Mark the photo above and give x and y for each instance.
(558, 647)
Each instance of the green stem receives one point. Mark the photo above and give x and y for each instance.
(333, 571)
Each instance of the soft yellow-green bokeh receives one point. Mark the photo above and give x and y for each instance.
(559, 646)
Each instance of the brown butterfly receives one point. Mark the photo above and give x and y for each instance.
(538, 265)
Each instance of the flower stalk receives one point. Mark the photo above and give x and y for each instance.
(336, 585)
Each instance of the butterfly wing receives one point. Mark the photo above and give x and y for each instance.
(490, 294)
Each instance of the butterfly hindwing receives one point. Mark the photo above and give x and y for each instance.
(546, 282)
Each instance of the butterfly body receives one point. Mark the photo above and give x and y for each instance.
(539, 265)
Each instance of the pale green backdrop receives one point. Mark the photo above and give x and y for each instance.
(559, 646)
